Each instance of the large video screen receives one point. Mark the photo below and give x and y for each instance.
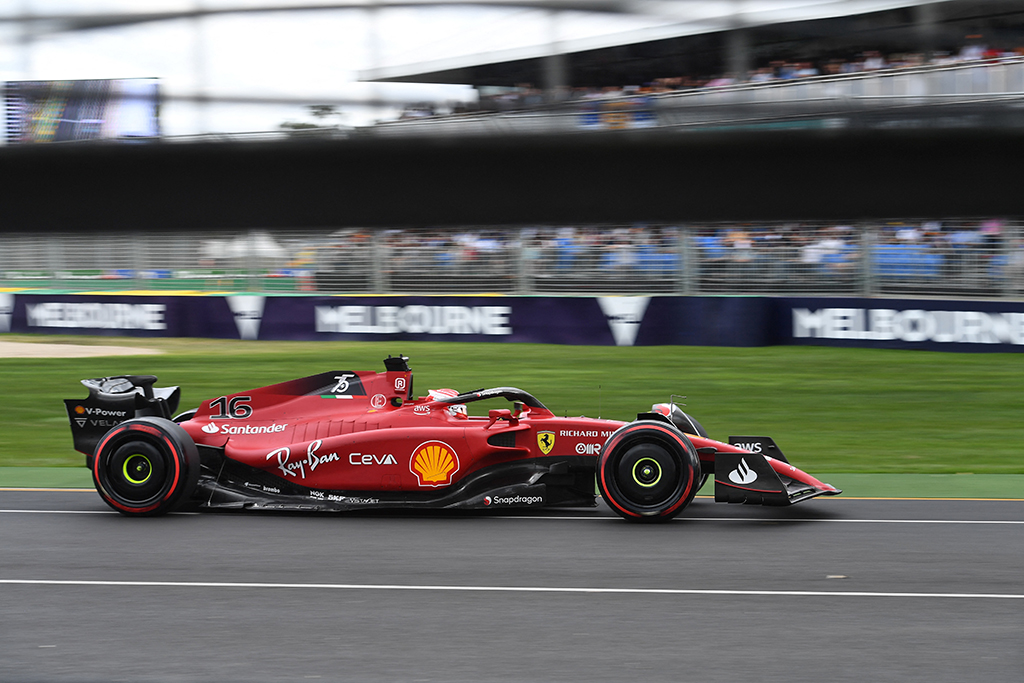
(60, 111)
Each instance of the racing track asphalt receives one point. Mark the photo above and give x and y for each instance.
(829, 590)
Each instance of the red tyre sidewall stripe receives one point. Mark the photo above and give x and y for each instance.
(165, 438)
(689, 486)
(607, 451)
(611, 501)
(682, 498)
(175, 458)
(610, 448)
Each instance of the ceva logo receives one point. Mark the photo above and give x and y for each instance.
(743, 474)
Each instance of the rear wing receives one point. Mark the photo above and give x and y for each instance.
(111, 401)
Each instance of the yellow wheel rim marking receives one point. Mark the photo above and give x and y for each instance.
(135, 465)
(653, 467)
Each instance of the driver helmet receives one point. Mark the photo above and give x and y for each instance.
(666, 409)
(456, 409)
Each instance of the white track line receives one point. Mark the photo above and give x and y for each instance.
(511, 589)
(60, 512)
(617, 519)
(856, 521)
(784, 521)
(75, 512)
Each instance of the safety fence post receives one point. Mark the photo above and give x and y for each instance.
(686, 257)
(868, 240)
(381, 284)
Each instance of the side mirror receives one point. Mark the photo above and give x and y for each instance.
(502, 414)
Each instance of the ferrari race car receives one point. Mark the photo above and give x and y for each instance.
(348, 440)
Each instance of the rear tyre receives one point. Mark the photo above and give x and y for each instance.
(648, 471)
(146, 467)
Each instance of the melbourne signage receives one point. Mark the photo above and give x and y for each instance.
(912, 325)
(414, 319)
(96, 316)
(625, 315)
(931, 324)
(6, 309)
(248, 313)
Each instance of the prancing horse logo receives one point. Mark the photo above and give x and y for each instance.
(545, 441)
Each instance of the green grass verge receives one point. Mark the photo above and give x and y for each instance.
(830, 410)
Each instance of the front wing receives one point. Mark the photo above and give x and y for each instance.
(756, 478)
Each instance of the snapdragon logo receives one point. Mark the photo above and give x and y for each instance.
(248, 311)
(624, 314)
(883, 324)
(513, 500)
(6, 309)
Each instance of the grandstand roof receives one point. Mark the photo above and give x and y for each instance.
(687, 36)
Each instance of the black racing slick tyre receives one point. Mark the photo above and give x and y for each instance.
(699, 430)
(648, 471)
(146, 467)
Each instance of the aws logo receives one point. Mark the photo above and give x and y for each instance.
(434, 463)
(752, 447)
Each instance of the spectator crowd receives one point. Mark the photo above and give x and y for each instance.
(973, 256)
(527, 96)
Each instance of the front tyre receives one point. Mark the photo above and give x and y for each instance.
(648, 471)
(146, 467)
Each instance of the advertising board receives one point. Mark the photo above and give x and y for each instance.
(612, 320)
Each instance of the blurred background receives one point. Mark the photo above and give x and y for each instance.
(864, 147)
(175, 68)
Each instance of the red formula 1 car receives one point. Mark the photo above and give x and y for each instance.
(355, 440)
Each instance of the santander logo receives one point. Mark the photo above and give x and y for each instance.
(743, 474)
(210, 428)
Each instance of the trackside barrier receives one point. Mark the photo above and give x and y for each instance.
(951, 325)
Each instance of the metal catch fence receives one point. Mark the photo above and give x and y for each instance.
(950, 258)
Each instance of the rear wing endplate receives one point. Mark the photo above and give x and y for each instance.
(111, 401)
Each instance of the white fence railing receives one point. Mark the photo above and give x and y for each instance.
(949, 94)
(955, 258)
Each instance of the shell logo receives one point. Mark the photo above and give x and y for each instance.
(434, 463)
(79, 410)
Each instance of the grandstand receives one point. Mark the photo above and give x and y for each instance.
(860, 65)
(955, 258)
(874, 65)
(708, 42)
(983, 93)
